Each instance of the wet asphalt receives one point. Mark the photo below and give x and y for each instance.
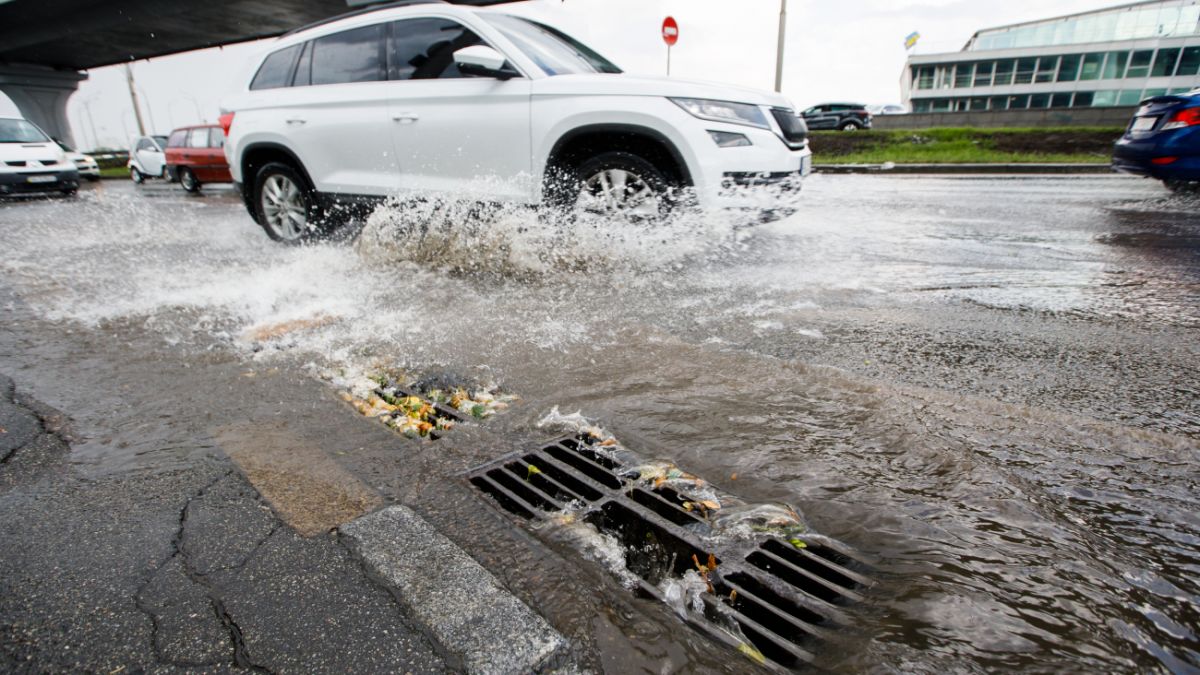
(987, 385)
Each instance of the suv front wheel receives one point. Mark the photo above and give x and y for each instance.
(621, 185)
(287, 207)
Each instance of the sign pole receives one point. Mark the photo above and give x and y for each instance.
(670, 35)
(779, 51)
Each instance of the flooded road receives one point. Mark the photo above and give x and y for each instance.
(989, 387)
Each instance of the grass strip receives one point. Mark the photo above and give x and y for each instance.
(1086, 145)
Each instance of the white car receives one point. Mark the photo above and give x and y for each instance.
(437, 99)
(31, 162)
(84, 164)
(147, 159)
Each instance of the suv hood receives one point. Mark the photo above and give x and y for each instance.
(620, 84)
(24, 152)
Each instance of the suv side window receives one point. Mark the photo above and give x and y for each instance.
(276, 70)
(177, 139)
(423, 49)
(350, 56)
(198, 138)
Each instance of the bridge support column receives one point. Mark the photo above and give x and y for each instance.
(41, 95)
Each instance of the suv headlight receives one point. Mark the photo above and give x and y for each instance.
(724, 111)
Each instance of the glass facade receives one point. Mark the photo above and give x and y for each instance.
(1114, 65)
(1068, 99)
(1175, 18)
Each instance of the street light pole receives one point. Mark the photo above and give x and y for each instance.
(779, 51)
(133, 96)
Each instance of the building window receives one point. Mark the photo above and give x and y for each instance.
(1139, 64)
(983, 74)
(1083, 99)
(1189, 62)
(1018, 102)
(1025, 70)
(979, 103)
(1004, 73)
(1104, 99)
(1047, 69)
(1092, 65)
(921, 106)
(1114, 67)
(1062, 100)
(999, 103)
(1129, 97)
(942, 105)
(1039, 101)
(925, 77)
(963, 74)
(1164, 65)
(1069, 70)
(1151, 93)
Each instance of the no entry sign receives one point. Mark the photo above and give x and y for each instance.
(670, 31)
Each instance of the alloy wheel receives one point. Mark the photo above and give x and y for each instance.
(620, 192)
(284, 207)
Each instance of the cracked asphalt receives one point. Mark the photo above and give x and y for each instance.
(182, 570)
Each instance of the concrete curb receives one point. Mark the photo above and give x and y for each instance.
(459, 603)
(884, 169)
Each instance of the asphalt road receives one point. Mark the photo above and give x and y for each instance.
(987, 386)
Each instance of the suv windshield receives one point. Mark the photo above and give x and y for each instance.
(553, 51)
(20, 131)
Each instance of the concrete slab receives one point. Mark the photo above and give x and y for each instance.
(459, 603)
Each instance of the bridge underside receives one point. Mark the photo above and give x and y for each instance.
(45, 43)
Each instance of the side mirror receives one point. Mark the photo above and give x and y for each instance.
(483, 61)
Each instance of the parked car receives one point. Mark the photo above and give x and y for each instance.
(84, 164)
(31, 162)
(840, 116)
(887, 109)
(476, 103)
(1162, 141)
(196, 155)
(147, 158)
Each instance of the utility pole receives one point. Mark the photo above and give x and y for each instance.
(91, 123)
(137, 112)
(779, 52)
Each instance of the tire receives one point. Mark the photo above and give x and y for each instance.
(617, 184)
(286, 205)
(93, 179)
(849, 126)
(136, 175)
(70, 192)
(1180, 187)
(187, 179)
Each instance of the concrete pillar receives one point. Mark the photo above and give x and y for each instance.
(41, 95)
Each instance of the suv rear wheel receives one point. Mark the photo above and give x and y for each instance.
(622, 185)
(850, 126)
(286, 205)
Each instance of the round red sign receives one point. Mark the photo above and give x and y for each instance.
(670, 31)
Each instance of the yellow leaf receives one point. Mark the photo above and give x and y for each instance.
(752, 654)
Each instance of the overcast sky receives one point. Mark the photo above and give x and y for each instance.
(835, 50)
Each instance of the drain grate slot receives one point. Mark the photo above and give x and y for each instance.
(508, 501)
(784, 598)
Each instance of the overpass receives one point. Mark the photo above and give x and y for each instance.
(46, 46)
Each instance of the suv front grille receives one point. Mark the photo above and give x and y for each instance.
(795, 131)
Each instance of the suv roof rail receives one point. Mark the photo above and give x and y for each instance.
(367, 7)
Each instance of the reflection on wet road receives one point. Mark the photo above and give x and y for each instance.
(988, 386)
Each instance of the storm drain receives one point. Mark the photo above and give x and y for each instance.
(784, 594)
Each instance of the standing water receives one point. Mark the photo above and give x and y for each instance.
(988, 387)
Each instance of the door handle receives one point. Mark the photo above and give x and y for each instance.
(405, 118)
(297, 121)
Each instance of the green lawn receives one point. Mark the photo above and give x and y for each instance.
(966, 146)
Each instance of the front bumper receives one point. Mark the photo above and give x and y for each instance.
(32, 182)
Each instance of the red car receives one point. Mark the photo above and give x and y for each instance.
(196, 155)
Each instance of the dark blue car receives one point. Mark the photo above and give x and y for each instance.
(1163, 141)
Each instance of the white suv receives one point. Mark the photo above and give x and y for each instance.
(430, 98)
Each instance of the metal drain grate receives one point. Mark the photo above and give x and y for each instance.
(783, 598)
